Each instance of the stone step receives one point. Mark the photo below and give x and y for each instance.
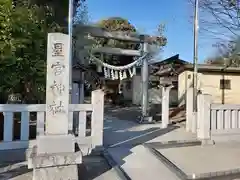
(172, 144)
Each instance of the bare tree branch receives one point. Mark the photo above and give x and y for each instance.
(219, 18)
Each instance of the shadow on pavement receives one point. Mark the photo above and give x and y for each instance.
(121, 136)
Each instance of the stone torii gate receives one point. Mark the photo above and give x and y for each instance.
(84, 43)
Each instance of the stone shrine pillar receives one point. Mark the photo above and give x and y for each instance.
(54, 156)
(204, 116)
(189, 109)
(165, 105)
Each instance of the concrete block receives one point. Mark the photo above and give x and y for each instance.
(55, 144)
(69, 172)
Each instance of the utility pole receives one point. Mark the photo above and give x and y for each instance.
(195, 57)
(70, 31)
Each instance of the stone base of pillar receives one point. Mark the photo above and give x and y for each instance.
(194, 122)
(207, 142)
(54, 159)
(148, 119)
(164, 125)
(189, 109)
(68, 172)
(189, 122)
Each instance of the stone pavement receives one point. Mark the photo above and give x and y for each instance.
(122, 132)
(139, 164)
(195, 160)
(15, 171)
(124, 141)
(108, 175)
(24, 176)
(205, 161)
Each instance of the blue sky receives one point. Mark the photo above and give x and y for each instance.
(145, 15)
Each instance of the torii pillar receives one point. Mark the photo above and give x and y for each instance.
(145, 82)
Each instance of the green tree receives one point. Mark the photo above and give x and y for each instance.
(116, 24)
(23, 39)
(60, 9)
(120, 24)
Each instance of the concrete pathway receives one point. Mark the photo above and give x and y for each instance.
(129, 133)
(17, 171)
(109, 175)
(139, 164)
(205, 161)
(124, 141)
